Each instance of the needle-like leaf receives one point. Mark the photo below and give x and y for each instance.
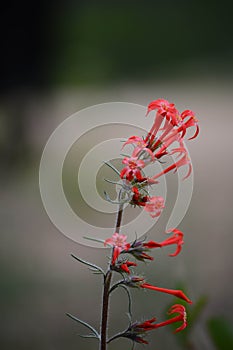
(84, 324)
(88, 263)
(112, 167)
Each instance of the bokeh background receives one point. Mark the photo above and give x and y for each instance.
(59, 57)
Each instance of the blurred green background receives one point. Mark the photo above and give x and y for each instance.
(59, 57)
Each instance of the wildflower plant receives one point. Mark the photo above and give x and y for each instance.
(165, 138)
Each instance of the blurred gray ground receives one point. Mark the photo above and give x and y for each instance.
(40, 282)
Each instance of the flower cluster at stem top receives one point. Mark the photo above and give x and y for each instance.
(169, 127)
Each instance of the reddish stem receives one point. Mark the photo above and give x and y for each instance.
(107, 285)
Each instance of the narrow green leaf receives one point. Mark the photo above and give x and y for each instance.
(94, 239)
(88, 263)
(84, 324)
(112, 167)
(88, 336)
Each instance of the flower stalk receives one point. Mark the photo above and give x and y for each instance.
(169, 127)
(107, 285)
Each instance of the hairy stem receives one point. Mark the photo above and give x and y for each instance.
(119, 218)
(107, 286)
(104, 323)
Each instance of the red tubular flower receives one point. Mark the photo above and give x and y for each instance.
(115, 254)
(137, 331)
(151, 245)
(184, 160)
(141, 146)
(154, 206)
(125, 266)
(163, 108)
(166, 143)
(118, 242)
(138, 198)
(136, 140)
(182, 317)
(140, 340)
(146, 325)
(177, 293)
(150, 325)
(176, 238)
(132, 169)
(192, 121)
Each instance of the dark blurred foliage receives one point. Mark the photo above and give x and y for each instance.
(51, 44)
(45, 43)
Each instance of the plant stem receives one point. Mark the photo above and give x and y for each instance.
(119, 218)
(104, 324)
(107, 285)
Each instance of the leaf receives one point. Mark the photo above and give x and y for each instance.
(88, 263)
(94, 239)
(221, 333)
(88, 336)
(84, 324)
(112, 167)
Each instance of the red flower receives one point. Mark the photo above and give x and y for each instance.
(147, 325)
(137, 331)
(154, 206)
(176, 238)
(164, 108)
(182, 317)
(118, 242)
(192, 121)
(138, 198)
(184, 160)
(151, 245)
(176, 293)
(141, 146)
(132, 169)
(124, 266)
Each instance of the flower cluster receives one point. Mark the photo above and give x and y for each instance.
(165, 138)
(140, 251)
(169, 127)
(137, 331)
